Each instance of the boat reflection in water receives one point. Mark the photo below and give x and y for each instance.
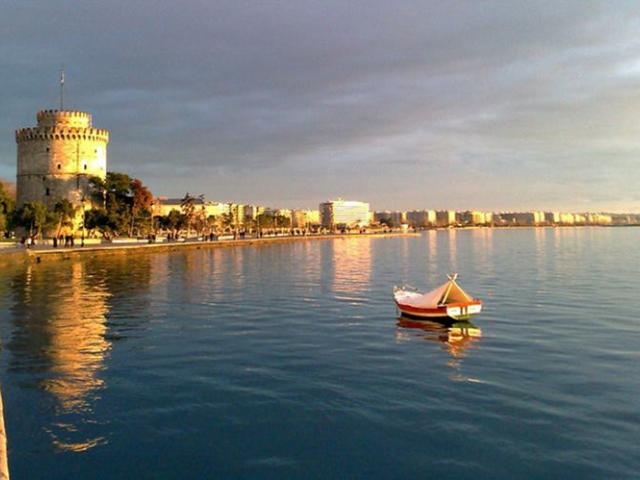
(455, 336)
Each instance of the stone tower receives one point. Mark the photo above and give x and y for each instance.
(57, 158)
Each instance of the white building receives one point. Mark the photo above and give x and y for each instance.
(344, 214)
(163, 206)
(305, 218)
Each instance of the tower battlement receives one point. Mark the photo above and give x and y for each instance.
(61, 133)
(70, 118)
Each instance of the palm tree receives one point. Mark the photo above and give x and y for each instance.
(227, 221)
(188, 206)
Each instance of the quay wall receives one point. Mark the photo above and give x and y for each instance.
(39, 254)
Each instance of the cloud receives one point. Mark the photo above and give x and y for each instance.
(487, 104)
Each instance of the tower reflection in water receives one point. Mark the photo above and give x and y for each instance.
(59, 340)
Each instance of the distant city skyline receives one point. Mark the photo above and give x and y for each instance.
(410, 105)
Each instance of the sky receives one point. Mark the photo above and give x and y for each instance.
(484, 105)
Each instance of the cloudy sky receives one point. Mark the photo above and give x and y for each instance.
(495, 105)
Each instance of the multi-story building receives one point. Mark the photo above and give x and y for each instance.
(237, 212)
(162, 206)
(298, 219)
(382, 217)
(470, 217)
(344, 214)
(563, 218)
(216, 209)
(312, 217)
(538, 217)
(445, 218)
(599, 219)
(550, 217)
(305, 218)
(579, 219)
(566, 219)
(393, 219)
(625, 219)
(252, 211)
(523, 218)
(421, 218)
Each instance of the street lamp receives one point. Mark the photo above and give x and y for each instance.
(82, 200)
(291, 222)
(153, 230)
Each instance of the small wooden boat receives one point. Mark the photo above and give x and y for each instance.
(448, 300)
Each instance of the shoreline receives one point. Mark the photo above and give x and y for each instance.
(38, 253)
(19, 253)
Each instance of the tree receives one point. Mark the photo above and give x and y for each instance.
(386, 222)
(173, 222)
(7, 205)
(282, 221)
(97, 219)
(213, 222)
(227, 221)
(98, 191)
(114, 195)
(64, 212)
(125, 201)
(265, 220)
(32, 216)
(250, 224)
(188, 206)
(4, 224)
(141, 203)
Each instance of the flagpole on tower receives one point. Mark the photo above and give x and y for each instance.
(62, 87)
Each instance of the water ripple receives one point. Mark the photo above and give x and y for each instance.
(288, 361)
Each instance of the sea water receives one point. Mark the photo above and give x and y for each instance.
(289, 361)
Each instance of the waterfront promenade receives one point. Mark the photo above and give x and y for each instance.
(17, 252)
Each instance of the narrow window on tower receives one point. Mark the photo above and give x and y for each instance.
(48, 192)
(59, 166)
(85, 166)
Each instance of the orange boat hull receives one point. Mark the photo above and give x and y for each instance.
(457, 311)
